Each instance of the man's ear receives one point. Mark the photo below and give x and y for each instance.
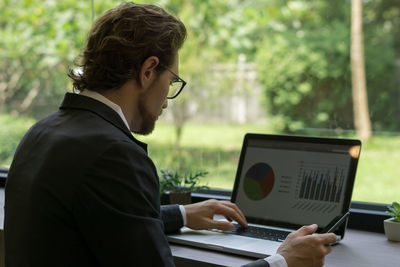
(147, 72)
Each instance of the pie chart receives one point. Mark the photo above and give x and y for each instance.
(258, 181)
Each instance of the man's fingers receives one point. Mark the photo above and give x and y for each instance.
(235, 207)
(228, 218)
(200, 215)
(328, 238)
(233, 212)
(306, 230)
(328, 249)
(221, 225)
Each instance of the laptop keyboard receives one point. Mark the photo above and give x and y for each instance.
(259, 232)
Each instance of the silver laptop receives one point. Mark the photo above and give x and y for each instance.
(282, 183)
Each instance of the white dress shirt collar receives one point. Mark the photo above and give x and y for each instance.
(106, 101)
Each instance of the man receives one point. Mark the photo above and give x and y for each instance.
(81, 190)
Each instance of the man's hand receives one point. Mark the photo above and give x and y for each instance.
(301, 248)
(200, 215)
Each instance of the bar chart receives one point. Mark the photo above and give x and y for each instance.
(323, 182)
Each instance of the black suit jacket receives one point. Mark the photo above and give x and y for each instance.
(82, 191)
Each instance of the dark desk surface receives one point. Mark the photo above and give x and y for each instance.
(358, 249)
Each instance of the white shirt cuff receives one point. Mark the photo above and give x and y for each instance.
(183, 212)
(276, 260)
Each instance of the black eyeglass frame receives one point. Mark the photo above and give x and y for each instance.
(178, 79)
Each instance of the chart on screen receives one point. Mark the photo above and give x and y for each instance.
(259, 181)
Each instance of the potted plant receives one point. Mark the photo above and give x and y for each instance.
(392, 225)
(179, 187)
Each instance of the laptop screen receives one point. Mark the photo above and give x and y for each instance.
(290, 181)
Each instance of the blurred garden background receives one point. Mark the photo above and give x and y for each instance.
(261, 66)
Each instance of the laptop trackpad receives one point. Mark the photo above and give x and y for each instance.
(227, 242)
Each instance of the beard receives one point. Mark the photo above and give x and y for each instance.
(148, 121)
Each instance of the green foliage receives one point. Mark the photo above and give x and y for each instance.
(12, 129)
(302, 50)
(38, 42)
(301, 72)
(304, 68)
(382, 78)
(394, 211)
(175, 182)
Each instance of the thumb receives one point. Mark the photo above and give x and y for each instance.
(307, 230)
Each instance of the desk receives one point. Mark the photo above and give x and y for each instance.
(357, 249)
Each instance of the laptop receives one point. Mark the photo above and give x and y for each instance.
(282, 183)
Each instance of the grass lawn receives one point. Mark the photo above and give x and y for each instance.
(215, 148)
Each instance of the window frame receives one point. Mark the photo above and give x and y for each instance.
(3, 176)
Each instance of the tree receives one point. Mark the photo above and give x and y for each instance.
(304, 65)
(38, 42)
(360, 100)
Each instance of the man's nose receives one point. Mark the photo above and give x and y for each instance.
(165, 105)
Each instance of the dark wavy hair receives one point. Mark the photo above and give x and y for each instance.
(121, 40)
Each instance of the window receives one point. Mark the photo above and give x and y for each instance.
(283, 67)
(253, 66)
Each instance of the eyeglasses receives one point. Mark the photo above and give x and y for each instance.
(175, 86)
